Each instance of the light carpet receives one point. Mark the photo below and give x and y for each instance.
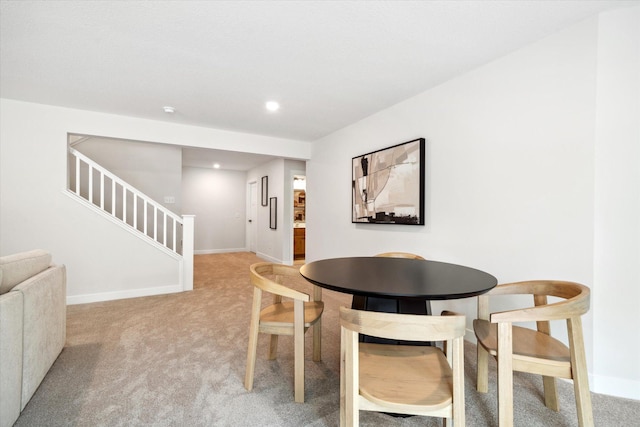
(179, 360)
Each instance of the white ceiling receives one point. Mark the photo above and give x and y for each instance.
(328, 63)
(228, 160)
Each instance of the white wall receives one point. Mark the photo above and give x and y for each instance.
(103, 261)
(269, 241)
(276, 245)
(617, 205)
(510, 178)
(218, 200)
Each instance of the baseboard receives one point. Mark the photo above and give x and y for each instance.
(268, 258)
(130, 293)
(218, 251)
(614, 386)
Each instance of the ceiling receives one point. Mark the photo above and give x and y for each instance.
(328, 63)
(228, 160)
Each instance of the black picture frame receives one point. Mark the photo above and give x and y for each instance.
(273, 213)
(387, 185)
(264, 191)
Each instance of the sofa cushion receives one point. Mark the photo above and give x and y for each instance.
(18, 267)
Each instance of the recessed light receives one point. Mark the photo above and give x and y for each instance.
(216, 165)
(272, 106)
(169, 110)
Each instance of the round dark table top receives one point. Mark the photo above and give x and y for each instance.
(398, 278)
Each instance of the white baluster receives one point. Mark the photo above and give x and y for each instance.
(135, 211)
(113, 197)
(90, 184)
(77, 175)
(101, 190)
(164, 226)
(155, 223)
(175, 248)
(146, 218)
(124, 204)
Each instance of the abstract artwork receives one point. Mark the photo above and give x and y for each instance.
(388, 185)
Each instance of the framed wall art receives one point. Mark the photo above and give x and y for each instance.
(388, 185)
(273, 213)
(264, 191)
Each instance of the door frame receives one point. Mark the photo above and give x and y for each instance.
(252, 217)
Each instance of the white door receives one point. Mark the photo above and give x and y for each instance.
(252, 228)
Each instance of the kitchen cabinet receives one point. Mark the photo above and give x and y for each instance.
(298, 243)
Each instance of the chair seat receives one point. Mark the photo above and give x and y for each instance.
(530, 347)
(408, 378)
(281, 314)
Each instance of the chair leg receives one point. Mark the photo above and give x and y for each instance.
(349, 371)
(448, 351)
(458, 381)
(253, 341)
(343, 384)
(317, 328)
(550, 393)
(505, 375)
(273, 347)
(483, 369)
(251, 359)
(317, 341)
(579, 369)
(298, 343)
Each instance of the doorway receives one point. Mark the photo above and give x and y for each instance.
(299, 217)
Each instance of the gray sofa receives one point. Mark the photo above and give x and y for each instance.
(33, 318)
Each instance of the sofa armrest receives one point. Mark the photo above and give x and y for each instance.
(45, 325)
(19, 267)
(10, 357)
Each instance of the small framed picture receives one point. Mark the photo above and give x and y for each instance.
(265, 191)
(273, 213)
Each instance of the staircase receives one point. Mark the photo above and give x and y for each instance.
(104, 192)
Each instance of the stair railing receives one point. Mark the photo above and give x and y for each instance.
(120, 200)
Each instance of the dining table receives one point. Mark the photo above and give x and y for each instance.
(397, 285)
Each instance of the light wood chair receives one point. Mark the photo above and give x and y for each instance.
(400, 255)
(283, 318)
(522, 349)
(416, 380)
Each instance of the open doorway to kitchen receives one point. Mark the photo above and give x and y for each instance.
(299, 217)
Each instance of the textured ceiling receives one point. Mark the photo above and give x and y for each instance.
(329, 64)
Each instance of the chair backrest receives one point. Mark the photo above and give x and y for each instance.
(259, 272)
(576, 301)
(399, 255)
(406, 327)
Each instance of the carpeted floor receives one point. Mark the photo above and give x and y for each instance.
(179, 360)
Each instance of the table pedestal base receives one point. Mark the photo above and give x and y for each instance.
(392, 305)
